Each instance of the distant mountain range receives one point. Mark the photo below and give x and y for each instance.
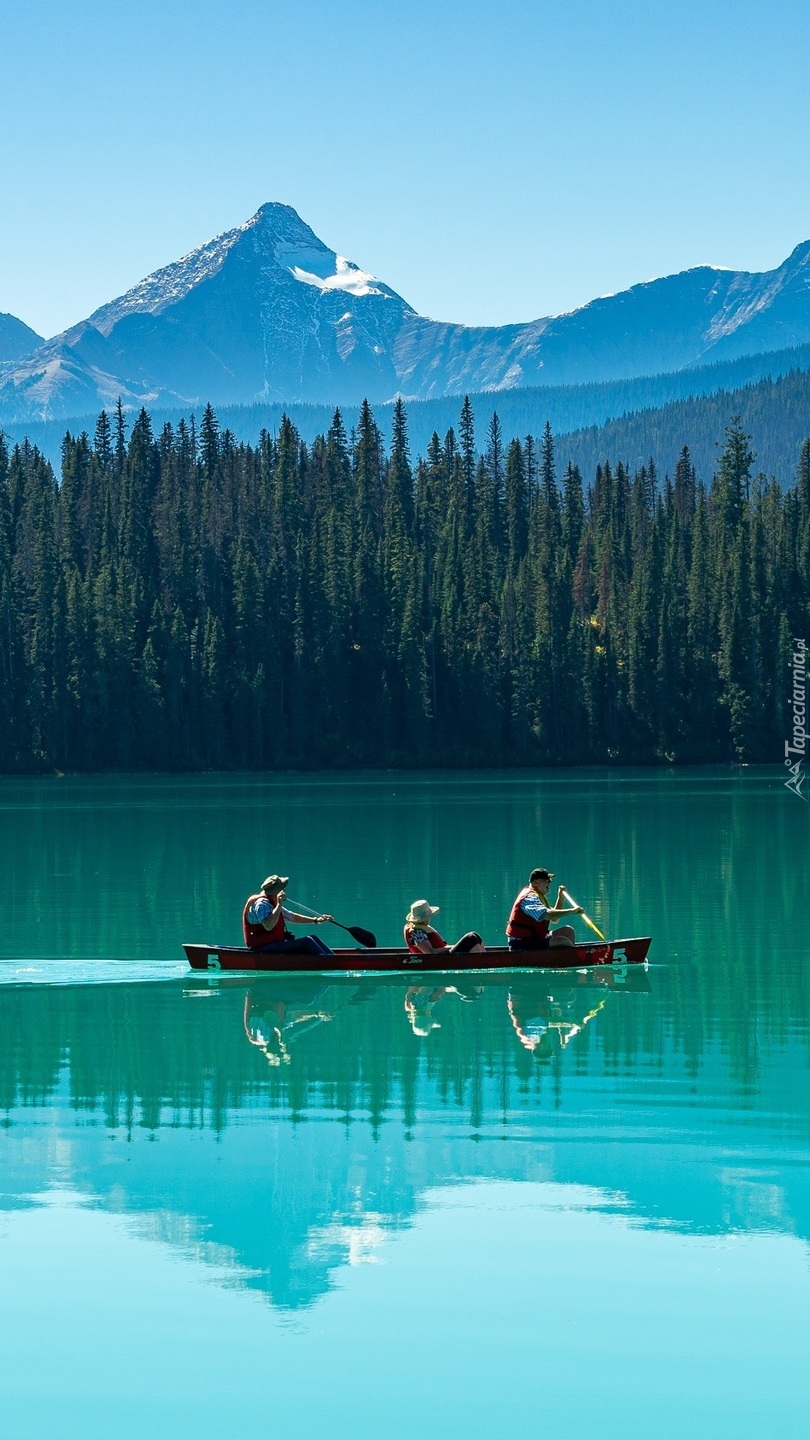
(17, 340)
(631, 420)
(267, 312)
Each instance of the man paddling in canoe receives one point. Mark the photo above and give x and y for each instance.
(528, 927)
(264, 922)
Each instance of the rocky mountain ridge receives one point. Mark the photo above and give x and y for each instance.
(268, 312)
(17, 340)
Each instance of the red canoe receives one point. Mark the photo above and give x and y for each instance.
(561, 957)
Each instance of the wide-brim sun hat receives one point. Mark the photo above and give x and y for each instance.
(421, 913)
(275, 882)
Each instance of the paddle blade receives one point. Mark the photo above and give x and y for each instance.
(363, 937)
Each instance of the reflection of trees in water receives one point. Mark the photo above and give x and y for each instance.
(665, 854)
(647, 852)
(676, 858)
(360, 1045)
(356, 1047)
(290, 1200)
(725, 1028)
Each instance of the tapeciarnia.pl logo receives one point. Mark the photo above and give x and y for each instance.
(798, 748)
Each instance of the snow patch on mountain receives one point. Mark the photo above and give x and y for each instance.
(345, 276)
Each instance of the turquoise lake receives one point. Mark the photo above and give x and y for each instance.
(483, 1206)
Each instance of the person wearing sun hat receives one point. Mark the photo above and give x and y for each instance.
(422, 938)
(265, 920)
(528, 925)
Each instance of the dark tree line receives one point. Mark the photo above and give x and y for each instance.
(187, 601)
(774, 410)
(652, 415)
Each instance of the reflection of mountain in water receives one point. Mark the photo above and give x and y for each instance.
(154, 1102)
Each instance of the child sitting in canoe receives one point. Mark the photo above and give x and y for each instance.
(422, 939)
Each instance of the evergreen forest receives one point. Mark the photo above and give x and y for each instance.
(629, 420)
(182, 600)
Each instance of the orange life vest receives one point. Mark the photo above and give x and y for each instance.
(433, 936)
(521, 926)
(257, 935)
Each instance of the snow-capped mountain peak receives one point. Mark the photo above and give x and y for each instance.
(276, 233)
(268, 311)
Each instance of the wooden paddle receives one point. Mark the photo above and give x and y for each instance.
(586, 918)
(363, 937)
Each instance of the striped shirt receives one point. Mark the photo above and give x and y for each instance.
(533, 906)
(261, 909)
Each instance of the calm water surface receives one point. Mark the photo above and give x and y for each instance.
(481, 1207)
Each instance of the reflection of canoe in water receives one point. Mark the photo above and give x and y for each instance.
(360, 989)
(568, 957)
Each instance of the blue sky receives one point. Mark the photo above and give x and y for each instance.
(492, 163)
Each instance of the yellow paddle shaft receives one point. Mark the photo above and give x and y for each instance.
(586, 918)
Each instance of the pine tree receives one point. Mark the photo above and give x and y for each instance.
(732, 482)
(102, 442)
(516, 506)
(120, 438)
(466, 432)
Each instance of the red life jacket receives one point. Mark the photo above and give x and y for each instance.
(433, 936)
(521, 926)
(257, 935)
